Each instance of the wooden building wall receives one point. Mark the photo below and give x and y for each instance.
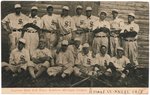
(141, 10)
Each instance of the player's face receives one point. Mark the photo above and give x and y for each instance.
(103, 50)
(85, 50)
(77, 43)
(21, 45)
(42, 45)
(88, 13)
(65, 12)
(34, 13)
(114, 14)
(50, 10)
(64, 47)
(119, 53)
(79, 11)
(130, 19)
(102, 16)
(17, 10)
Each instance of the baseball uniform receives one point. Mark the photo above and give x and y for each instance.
(15, 23)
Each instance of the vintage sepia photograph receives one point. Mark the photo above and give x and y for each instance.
(50, 44)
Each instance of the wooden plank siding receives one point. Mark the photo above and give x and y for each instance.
(141, 10)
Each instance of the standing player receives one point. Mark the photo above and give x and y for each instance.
(79, 23)
(90, 19)
(49, 25)
(116, 26)
(101, 31)
(32, 33)
(13, 24)
(129, 34)
(66, 25)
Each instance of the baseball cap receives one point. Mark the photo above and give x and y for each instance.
(86, 45)
(79, 7)
(17, 6)
(120, 48)
(66, 8)
(114, 10)
(34, 8)
(103, 12)
(131, 14)
(22, 40)
(49, 6)
(88, 8)
(64, 42)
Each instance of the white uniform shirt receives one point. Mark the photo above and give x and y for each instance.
(83, 59)
(99, 24)
(41, 53)
(15, 21)
(120, 63)
(89, 22)
(117, 23)
(132, 26)
(100, 60)
(49, 22)
(36, 20)
(66, 25)
(79, 21)
(16, 56)
(65, 58)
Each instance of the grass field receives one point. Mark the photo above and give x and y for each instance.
(24, 80)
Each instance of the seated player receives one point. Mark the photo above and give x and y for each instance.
(41, 59)
(102, 59)
(19, 58)
(64, 62)
(84, 62)
(118, 64)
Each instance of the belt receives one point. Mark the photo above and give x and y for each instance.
(64, 34)
(16, 30)
(100, 36)
(114, 36)
(130, 40)
(50, 32)
(31, 31)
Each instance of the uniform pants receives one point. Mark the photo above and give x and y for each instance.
(114, 43)
(53, 71)
(81, 37)
(88, 38)
(131, 51)
(32, 41)
(14, 68)
(64, 37)
(98, 42)
(14, 37)
(51, 39)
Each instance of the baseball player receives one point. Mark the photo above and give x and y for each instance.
(49, 22)
(32, 33)
(19, 59)
(101, 31)
(79, 23)
(64, 62)
(102, 59)
(117, 64)
(90, 19)
(84, 61)
(66, 25)
(41, 59)
(129, 35)
(76, 47)
(13, 24)
(116, 26)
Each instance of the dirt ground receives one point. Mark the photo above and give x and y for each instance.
(24, 80)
